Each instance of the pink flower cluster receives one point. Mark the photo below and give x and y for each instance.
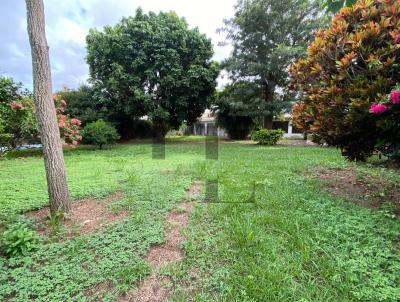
(69, 127)
(378, 108)
(16, 106)
(394, 96)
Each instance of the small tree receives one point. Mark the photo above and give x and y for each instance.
(100, 133)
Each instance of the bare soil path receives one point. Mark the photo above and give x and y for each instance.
(157, 288)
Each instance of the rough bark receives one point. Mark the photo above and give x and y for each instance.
(45, 110)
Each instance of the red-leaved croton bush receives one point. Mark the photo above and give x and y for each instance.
(348, 68)
(69, 127)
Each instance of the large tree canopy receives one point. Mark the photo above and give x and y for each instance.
(153, 64)
(268, 35)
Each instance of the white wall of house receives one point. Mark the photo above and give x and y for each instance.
(206, 127)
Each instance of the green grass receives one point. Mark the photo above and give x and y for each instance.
(294, 243)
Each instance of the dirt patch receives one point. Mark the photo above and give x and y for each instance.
(170, 251)
(88, 215)
(366, 190)
(157, 288)
(92, 294)
(297, 143)
(195, 190)
(152, 289)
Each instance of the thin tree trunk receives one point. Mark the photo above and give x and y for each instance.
(269, 97)
(45, 110)
(267, 122)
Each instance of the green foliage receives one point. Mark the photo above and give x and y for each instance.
(84, 104)
(267, 137)
(154, 65)
(335, 5)
(338, 90)
(5, 139)
(9, 90)
(100, 133)
(267, 35)
(19, 240)
(17, 117)
(233, 109)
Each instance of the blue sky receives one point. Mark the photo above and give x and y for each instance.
(68, 22)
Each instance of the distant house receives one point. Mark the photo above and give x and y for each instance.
(285, 123)
(206, 126)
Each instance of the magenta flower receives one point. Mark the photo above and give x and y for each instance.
(378, 108)
(395, 97)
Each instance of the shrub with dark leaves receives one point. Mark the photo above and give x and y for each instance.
(349, 66)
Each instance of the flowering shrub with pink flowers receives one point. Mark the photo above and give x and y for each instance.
(69, 127)
(18, 124)
(387, 116)
(387, 103)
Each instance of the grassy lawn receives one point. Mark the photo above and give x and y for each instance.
(295, 242)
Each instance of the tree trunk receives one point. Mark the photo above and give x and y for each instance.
(269, 98)
(45, 110)
(267, 122)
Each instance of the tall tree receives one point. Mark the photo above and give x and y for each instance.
(155, 65)
(45, 109)
(267, 36)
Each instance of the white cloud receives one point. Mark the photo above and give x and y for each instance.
(68, 22)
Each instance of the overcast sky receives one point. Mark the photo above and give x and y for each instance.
(68, 22)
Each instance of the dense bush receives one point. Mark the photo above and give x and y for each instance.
(19, 240)
(267, 137)
(349, 66)
(18, 122)
(100, 133)
(17, 119)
